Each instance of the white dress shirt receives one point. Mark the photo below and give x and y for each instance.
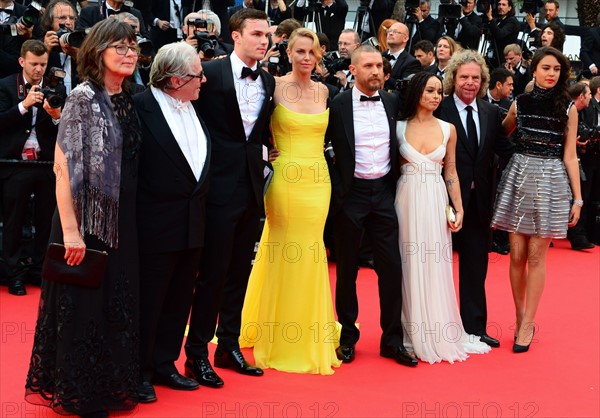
(462, 112)
(371, 138)
(32, 141)
(250, 94)
(185, 126)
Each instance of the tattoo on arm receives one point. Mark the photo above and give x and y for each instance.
(450, 182)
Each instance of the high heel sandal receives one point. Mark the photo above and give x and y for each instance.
(518, 348)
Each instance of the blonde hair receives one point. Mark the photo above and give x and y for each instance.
(463, 57)
(316, 46)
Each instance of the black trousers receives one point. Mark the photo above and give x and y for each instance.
(590, 191)
(472, 243)
(231, 232)
(166, 294)
(369, 205)
(19, 183)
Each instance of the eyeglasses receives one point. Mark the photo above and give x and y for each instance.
(396, 32)
(345, 44)
(123, 49)
(200, 76)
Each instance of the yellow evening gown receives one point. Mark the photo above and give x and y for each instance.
(288, 312)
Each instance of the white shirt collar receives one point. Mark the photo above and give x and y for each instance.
(356, 93)
(237, 65)
(460, 105)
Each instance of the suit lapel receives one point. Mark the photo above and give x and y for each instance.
(153, 117)
(348, 120)
(454, 117)
(208, 153)
(483, 125)
(232, 106)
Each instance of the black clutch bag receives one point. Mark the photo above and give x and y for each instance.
(87, 274)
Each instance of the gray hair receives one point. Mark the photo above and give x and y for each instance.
(121, 17)
(209, 14)
(354, 33)
(172, 60)
(463, 57)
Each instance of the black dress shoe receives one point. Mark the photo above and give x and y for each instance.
(146, 393)
(503, 249)
(399, 354)
(203, 373)
(492, 342)
(581, 244)
(176, 381)
(96, 414)
(235, 360)
(17, 288)
(345, 353)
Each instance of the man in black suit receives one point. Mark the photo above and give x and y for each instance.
(62, 55)
(590, 49)
(470, 25)
(504, 30)
(165, 21)
(500, 89)
(172, 190)
(403, 63)
(362, 130)
(428, 28)
(91, 15)
(10, 42)
(236, 105)
(518, 66)
(480, 135)
(331, 14)
(29, 127)
(425, 53)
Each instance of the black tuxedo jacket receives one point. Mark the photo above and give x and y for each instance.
(429, 29)
(590, 113)
(233, 156)
(10, 46)
(477, 168)
(470, 32)
(170, 200)
(520, 80)
(333, 20)
(160, 9)
(16, 127)
(504, 32)
(90, 15)
(504, 104)
(590, 48)
(404, 66)
(340, 132)
(55, 61)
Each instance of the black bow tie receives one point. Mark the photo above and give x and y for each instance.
(388, 56)
(112, 12)
(364, 98)
(7, 11)
(496, 102)
(247, 72)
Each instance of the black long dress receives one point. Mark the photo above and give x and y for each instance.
(85, 353)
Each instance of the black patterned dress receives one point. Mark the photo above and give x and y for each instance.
(534, 195)
(85, 353)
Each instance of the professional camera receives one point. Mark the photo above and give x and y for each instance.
(589, 134)
(201, 28)
(145, 45)
(69, 37)
(409, 7)
(31, 15)
(484, 5)
(55, 98)
(449, 9)
(280, 65)
(333, 63)
(531, 6)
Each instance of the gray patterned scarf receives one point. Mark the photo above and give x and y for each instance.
(90, 137)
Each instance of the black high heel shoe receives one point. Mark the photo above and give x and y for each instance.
(517, 348)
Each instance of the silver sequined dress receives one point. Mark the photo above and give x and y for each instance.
(534, 196)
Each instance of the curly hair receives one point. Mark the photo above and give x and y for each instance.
(463, 57)
(558, 40)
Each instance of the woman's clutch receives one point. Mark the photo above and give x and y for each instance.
(450, 214)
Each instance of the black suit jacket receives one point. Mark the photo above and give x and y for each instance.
(429, 29)
(232, 155)
(55, 61)
(477, 168)
(340, 132)
(504, 32)
(404, 66)
(590, 48)
(16, 127)
(10, 46)
(590, 113)
(160, 9)
(470, 32)
(90, 15)
(333, 20)
(170, 200)
(504, 105)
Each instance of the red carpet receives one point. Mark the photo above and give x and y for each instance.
(558, 377)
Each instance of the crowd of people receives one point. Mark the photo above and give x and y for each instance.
(162, 135)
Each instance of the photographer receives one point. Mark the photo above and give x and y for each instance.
(427, 28)
(14, 30)
(166, 21)
(504, 30)
(202, 30)
(276, 59)
(277, 10)
(331, 13)
(518, 66)
(60, 18)
(91, 15)
(588, 151)
(403, 63)
(29, 117)
(470, 25)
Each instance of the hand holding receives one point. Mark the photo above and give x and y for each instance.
(456, 225)
(74, 248)
(33, 97)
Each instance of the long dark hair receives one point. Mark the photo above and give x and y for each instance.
(559, 35)
(561, 89)
(413, 93)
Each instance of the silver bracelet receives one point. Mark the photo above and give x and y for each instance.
(578, 202)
